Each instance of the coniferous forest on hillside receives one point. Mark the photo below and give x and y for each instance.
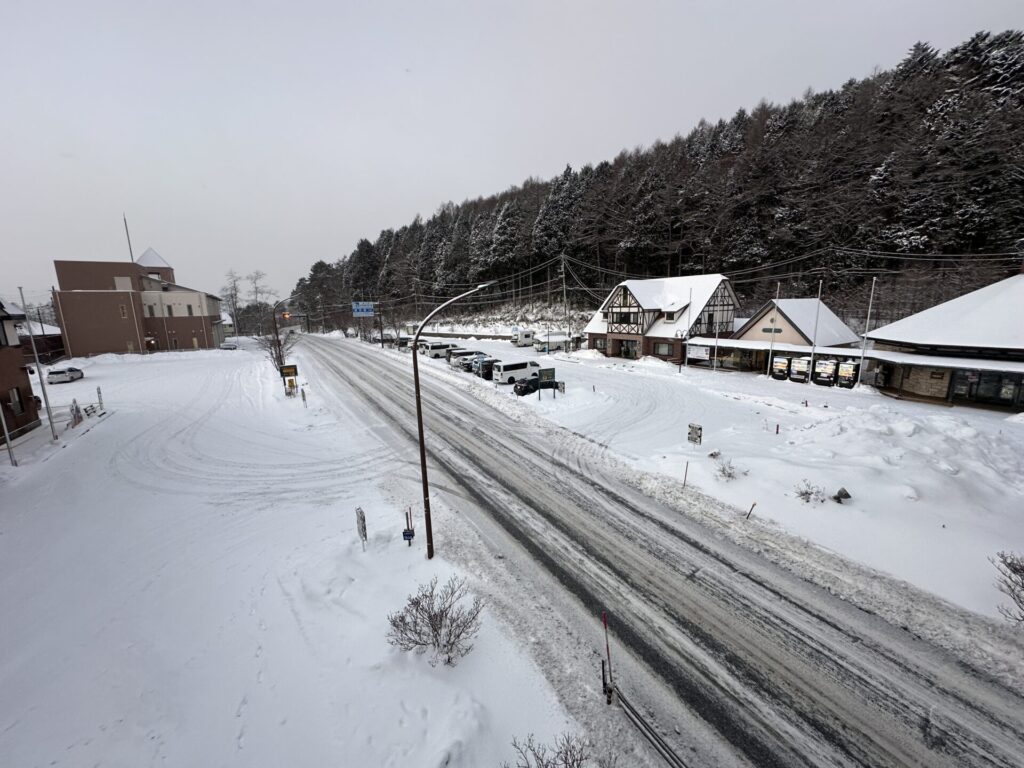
(913, 175)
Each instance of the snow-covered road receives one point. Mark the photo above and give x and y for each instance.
(787, 673)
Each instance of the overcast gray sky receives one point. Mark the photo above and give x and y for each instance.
(258, 135)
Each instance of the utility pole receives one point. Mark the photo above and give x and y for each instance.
(686, 335)
(7, 438)
(864, 338)
(131, 256)
(565, 304)
(774, 323)
(814, 338)
(39, 371)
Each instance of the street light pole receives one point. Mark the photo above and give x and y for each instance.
(419, 413)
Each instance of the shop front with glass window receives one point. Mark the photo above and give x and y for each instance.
(989, 387)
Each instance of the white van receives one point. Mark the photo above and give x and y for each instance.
(507, 371)
(438, 348)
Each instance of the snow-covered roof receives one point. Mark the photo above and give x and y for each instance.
(226, 319)
(832, 331)
(988, 318)
(780, 347)
(38, 329)
(938, 361)
(664, 294)
(11, 310)
(151, 258)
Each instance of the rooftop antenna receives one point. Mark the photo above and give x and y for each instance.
(131, 255)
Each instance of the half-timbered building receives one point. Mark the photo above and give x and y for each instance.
(655, 317)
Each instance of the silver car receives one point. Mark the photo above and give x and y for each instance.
(63, 375)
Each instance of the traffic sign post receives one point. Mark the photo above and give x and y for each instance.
(695, 434)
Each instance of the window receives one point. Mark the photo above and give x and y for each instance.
(604, 314)
(600, 343)
(124, 312)
(189, 310)
(663, 349)
(152, 310)
(16, 405)
(170, 311)
(670, 317)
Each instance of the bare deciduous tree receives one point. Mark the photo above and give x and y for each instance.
(277, 347)
(1011, 583)
(436, 619)
(231, 292)
(568, 752)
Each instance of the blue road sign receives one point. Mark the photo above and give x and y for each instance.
(407, 534)
(362, 309)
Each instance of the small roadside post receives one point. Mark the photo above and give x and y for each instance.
(361, 526)
(409, 531)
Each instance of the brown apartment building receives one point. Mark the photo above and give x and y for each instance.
(123, 306)
(17, 402)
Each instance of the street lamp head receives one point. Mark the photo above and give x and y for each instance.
(488, 284)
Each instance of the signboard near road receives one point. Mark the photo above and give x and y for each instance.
(546, 374)
(362, 309)
(695, 434)
(699, 353)
(289, 371)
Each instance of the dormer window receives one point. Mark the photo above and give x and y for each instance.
(670, 317)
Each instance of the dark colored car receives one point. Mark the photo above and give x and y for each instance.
(526, 386)
(466, 363)
(483, 366)
(529, 386)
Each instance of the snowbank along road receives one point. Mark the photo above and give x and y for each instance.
(788, 674)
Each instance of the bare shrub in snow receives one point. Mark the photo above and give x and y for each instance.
(567, 752)
(807, 492)
(725, 469)
(1011, 583)
(436, 619)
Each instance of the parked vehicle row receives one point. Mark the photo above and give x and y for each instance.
(480, 363)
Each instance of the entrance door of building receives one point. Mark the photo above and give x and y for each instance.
(628, 348)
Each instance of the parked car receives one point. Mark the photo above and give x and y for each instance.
(483, 366)
(507, 371)
(526, 386)
(466, 362)
(229, 345)
(529, 386)
(63, 375)
(458, 355)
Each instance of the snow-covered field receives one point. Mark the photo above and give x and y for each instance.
(183, 585)
(935, 491)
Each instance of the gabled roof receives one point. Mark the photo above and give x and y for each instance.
(11, 311)
(151, 258)
(832, 332)
(988, 318)
(663, 294)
